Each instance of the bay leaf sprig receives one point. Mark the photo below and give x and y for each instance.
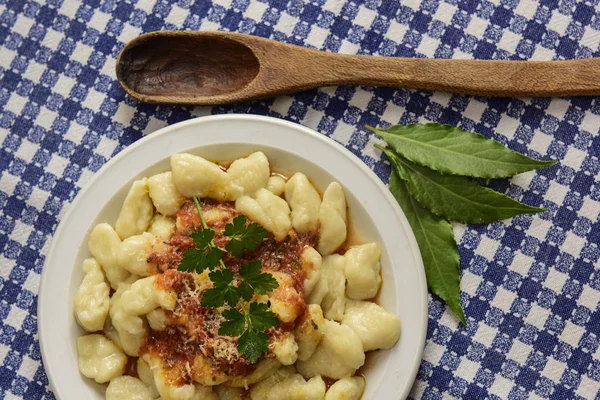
(452, 151)
(437, 244)
(432, 170)
(454, 197)
(242, 317)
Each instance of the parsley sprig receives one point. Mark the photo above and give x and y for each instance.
(242, 317)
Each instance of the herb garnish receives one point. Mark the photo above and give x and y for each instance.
(230, 291)
(431, 169)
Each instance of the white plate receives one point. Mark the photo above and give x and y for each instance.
(290, 148)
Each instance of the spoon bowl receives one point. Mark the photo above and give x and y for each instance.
(160, 65)
(208, 68)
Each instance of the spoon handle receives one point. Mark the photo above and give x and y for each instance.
(296, 68)
(473, 77)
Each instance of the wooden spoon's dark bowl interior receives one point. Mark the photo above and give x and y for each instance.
(186, 66)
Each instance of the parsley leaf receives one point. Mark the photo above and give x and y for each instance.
(191, 259)
(253, 280)
(204, 256)
(261, 317)
(243, 236)
(224, 290)
(203, 238)
(199, 260)
(253, 344)
(234, 323)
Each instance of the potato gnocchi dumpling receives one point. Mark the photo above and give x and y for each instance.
(362, 271)
(376, 328)
(276, 185)
(138, 299)
(157, 319)
(263, 369)
(162, 227)
(147, 376)
(129, 342)
(228, 393)
(193, 175)
(104, 244)
(311, 263)
(135, 251)
(346, 389)
(296, 388)
(260, 391)
(286, 349)
(304, 201)
(170, 391)
(285, 300)
(99, 358)
(250, 173)
(332, 217)
(150, 316)
(334, 300)
(92, 298)
(309, 331)
(128, 388)
(271, 211)
(164, 194)
(137, 211)
(338, 356)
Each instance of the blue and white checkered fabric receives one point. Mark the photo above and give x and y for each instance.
(530, 285)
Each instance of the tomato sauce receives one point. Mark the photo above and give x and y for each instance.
(187, 345)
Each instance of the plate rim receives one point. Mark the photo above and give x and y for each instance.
(250, 117)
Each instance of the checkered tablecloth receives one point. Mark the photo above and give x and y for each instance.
(530, 285)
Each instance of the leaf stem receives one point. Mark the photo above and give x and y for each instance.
(212, 242)
(246, 314)
(200, 213)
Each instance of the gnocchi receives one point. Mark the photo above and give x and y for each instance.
(296, 388)
(270, 211)
(276, 185)
(134, 295)
(145, 374)
(286, 349)
(228, 393)
(334, 300)
(304, 201)
(138, 299)
(362, 271)
(310, 331)
(261, 390)
(129, 342)
(338, 356)
(128, 388)
(135, 250)
(346, 389)
(164, 194)
(170, 391)
(376, 328)
(332, 217)
(92, 298)
(162, 227)
(137, 211)
(104, 244)
(99, 358)
(193, 175)
(250, 173)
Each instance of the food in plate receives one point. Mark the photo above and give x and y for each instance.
(230, 282)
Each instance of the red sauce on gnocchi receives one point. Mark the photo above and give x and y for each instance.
(190, 347)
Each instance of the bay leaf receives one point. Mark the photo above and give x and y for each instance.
(452, 151)
(437, 245)
(456, 198)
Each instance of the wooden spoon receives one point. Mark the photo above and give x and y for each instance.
(206, 68)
